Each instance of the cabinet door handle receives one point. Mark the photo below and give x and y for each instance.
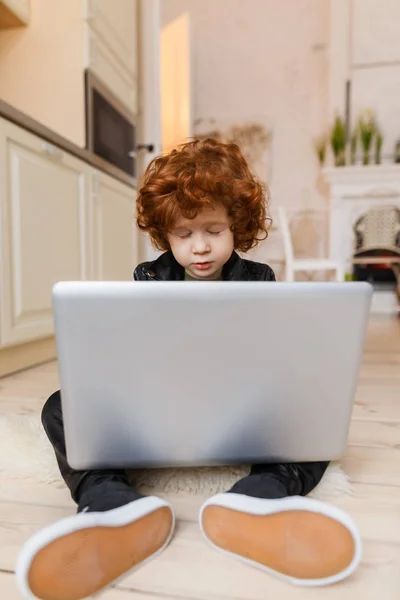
(52, 151)
(147, 147)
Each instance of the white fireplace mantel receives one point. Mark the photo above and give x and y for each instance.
(353, 191)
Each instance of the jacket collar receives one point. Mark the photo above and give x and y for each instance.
(235, 269)
(166, 268)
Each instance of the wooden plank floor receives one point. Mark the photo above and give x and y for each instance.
(189, 569)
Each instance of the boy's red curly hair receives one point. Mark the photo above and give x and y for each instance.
(199, 173)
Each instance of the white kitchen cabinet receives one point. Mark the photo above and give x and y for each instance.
(116, 23)
(44, 228)
(14, 13)
(111, 46)
(60, 219)
(114, 231)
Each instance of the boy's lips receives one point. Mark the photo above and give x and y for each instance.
(202, 266)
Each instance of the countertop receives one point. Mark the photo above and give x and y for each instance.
(14, 115)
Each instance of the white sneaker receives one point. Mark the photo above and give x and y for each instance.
(302, 541)
(80, 555)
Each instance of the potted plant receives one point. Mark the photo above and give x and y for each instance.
(367, 127)
(378, 146)
(320, 145)
(338, 142)
(353, 146)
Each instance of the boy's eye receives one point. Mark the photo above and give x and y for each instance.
(183, 236)
(214, 232)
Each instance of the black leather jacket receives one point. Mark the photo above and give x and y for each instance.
(166, 268)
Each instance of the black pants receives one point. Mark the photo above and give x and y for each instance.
(264, 480)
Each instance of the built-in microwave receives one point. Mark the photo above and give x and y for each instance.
(110, 127)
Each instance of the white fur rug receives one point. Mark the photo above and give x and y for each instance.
(26, 455)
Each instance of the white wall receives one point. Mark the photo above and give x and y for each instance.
(175, 83)
(285, 63)
(258, 60)
(265, 61)
(375, 64)
(41, 67)
(365, 50)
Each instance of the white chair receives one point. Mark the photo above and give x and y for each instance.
(305, 265)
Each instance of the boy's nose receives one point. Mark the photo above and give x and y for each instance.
(200, 246)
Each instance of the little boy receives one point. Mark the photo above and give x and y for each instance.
(199, 204)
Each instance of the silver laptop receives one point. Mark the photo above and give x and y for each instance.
(210, 373)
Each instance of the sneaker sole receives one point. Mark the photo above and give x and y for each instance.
(302, 541)
(79, 556)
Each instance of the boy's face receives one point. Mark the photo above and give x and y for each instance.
(204, 244)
